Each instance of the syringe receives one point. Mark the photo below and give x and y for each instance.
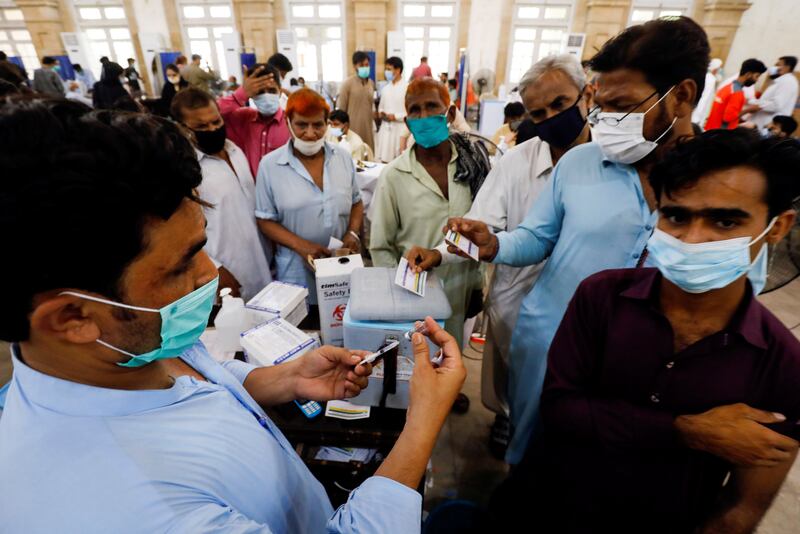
(419, 327)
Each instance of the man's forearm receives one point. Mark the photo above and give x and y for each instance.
(735, 520)
(270, 386)
(408, 459)
(356, 217)
(278, 233)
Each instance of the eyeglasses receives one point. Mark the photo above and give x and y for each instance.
(594, 117)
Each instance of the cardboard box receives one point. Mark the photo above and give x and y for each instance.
(279, 299)
(333, 292)
(274, 342)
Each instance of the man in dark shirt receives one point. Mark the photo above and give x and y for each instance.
(659, 380)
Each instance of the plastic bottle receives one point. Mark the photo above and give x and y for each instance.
(230, 322)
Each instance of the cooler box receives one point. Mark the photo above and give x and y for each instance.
(380, 310)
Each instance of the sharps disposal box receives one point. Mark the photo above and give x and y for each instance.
(333, 291)
(379, 311)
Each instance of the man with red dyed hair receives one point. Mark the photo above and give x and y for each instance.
(261, 130)
(306, 193)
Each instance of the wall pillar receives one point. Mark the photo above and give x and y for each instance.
(369, 28)
(720, 19)
(255, 20)
(45, 21)
(604, 19)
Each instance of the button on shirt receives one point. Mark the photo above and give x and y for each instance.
(286, 193)
(197, 457)
(234, 241)
(256, 134)
(614, 386)
(591, 216)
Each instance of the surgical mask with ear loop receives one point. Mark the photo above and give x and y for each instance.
(307, 148)
(702, 267)
(621, 135)
(182, 323)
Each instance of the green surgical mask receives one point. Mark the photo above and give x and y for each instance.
(182, 323)
(363, 72)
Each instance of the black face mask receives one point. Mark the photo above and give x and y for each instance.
(210, 141)
(562, 129)
(748, 83)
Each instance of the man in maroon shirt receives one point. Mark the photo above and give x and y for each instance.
(663, 382)
(261, 130)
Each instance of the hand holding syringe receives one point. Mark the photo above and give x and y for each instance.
(420, 327)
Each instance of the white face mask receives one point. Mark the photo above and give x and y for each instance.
(621, 135)
(175, 80)
(307, 148)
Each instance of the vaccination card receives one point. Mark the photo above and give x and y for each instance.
(408, 279)
(462, 243)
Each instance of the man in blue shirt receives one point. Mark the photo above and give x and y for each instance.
(597, 212)
(117, 419)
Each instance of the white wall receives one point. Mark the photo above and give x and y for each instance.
(484, 35)
(768, 30)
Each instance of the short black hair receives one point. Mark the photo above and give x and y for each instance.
(131, 60)
(359, 56)
(752, 65)
(513, 109)
(788, 124)
(423, 58)
(666, 50)
(339, 115)
(104, 59)
(266, 69)
(196, 57)
(293, 82)
(693, 158)
(48, 60)
(789, 61)
(111, 71)
(102, 175)
(281, 62)
(77, 67)
(453, 83)
(189, 98)
(395, 62)
(3, 56)
(173, 67)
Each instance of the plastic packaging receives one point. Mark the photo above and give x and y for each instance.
(231, 321)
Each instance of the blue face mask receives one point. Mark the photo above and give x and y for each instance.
(702, 267)
(267, 103)
(363, 72)
(336, 132)
(182, 323)
(389, 75)
(429, 131)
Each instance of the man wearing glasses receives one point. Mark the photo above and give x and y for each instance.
(597, 211)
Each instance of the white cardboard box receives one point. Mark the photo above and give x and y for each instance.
(333, 291)
(279, 299)
(274, 342)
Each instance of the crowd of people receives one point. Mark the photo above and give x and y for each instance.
(623, 218)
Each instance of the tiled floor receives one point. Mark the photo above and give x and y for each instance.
(462, 467)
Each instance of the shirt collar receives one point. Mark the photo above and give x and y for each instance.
(745, 322)
(72, 398)
(544, 160)
(267, 120)
(230, 146)
(406, 161)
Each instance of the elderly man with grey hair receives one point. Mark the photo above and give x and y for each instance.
(557, 98)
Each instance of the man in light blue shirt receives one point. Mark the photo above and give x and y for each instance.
(117, 419)
(306, 193)
(597, 211)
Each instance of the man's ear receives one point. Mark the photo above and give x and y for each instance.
(783, 224)
(66, 318)
(684, 95)
(451, 114)
(588, 96)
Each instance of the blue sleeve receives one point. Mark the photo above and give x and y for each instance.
(379, 505)
(353, 183)
(265, 203)
(238, 368)
(533, 240)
